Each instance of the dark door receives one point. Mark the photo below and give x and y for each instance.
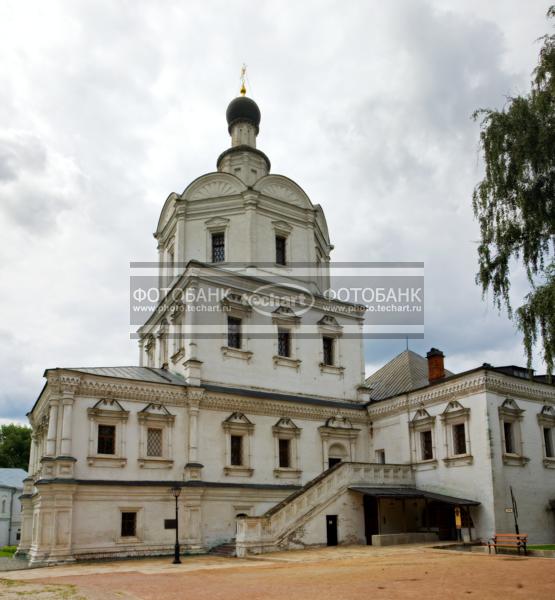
(371, 524)
(332, 462)
(331, 529)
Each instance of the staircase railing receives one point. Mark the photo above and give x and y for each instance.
(256, 535)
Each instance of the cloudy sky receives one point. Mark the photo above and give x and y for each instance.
(107, 106)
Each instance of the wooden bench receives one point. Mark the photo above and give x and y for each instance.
(509, 540)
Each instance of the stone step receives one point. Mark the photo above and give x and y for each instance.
(227, 549)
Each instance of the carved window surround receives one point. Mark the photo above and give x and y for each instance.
(328, 326)
(238, 424)
(217, 225)
(287, 361)
(236, 353)
(107, 412)
(546, 419)
(283, 229)
(509, 412)
(421, 422)
(456, 414)
(156, 416)
(285, 429)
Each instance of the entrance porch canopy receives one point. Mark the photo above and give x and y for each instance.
(408, 492)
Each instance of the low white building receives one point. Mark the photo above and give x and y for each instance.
(254, 404)
(11, 488)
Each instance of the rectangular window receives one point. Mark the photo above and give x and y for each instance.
(233, 332)
(284, 342)
(459, 439)
(281, 258)
(380, 457)
(285, 454)
(328, 350)
(218, 247)
(548, 439)
(128, 524)
(426, 443)
(106, 439)
(153, 442)
(237, 450)
(509, 441)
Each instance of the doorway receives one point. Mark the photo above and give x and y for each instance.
(336, 454)
(371, 518)
(331, 529)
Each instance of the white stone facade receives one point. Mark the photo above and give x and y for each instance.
(240, 423)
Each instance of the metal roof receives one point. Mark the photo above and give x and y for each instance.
(12, 477)
(407, 371)
(136, 373)
(407, 492)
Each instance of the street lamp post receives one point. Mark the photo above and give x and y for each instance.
(176, 491)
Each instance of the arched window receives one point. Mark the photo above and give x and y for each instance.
(3, 505)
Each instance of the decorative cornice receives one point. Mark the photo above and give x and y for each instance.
(484, 381)
(258, 406)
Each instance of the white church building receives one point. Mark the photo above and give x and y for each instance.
(265, 420)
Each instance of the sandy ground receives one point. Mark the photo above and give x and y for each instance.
(325, 574)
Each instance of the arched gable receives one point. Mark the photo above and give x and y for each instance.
(213, 185)
(167, 212)
(322, 223)
(283, 188)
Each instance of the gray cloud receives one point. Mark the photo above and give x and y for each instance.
(108, 107)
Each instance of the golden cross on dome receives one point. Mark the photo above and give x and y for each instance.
(243, 89)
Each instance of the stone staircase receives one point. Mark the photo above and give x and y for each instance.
(227, 549)
(276, 528)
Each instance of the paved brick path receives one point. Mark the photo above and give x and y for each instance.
(350, 573)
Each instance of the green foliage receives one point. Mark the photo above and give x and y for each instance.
(7, 551)
(15, 446)
(515, 203)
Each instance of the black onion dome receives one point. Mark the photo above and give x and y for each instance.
(242, 109)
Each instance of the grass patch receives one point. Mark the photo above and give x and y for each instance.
(542, 547)
(8, 551)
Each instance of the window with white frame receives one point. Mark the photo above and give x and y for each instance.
(456, 427)
(155, 436)
(107, 434)
(546, 421)
(238, 432)
(285, 351)
(510, 417)
(282, 231)
(422, 434)
(380, 456)
(236, 310)
(286, 449)
(330, 355)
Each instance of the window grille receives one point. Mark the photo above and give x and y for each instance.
(328, 350)
(154, 442)
(218, 247)
(284, 342)
(233, 332)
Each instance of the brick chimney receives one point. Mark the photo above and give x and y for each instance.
(436, 370)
